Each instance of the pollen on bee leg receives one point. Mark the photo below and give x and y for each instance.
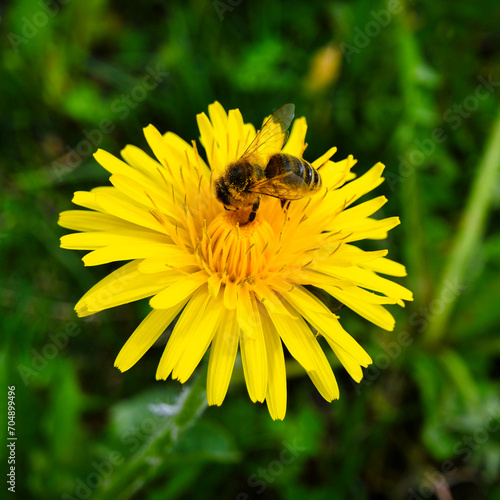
(241, 217)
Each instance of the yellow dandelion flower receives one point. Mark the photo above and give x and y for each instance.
(233, 283)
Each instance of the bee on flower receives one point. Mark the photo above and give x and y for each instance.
(228, 245)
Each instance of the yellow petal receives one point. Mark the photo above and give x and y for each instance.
(145, 335)
(97, 239)
(368, 279)
(345, 258)
(181, 336)
(218, 118)
(85, 220)
(230, 295)
(296, 142)
(169, 257)
(348, 362)
(352, 191)
(122, 286)
(300, 346)
(123, 207)
(334, 174)
(360, 211)
(263, 292)
(304, 347)
(309, 276)
(114, 165)
(321, 161)
(325, 381)
(369, 228)
(177, 292)
(222, 357)
(386, 266)
(182, 153)
(321, 318)
(375, 313)
(214, 284)
(237, 140)
(200, 338)
(153, 197)
(207, 139)
(253, 351)
(357, 255)
(86, 199)
(276, 385)
(248, 316)
(157, 145)
(135, 250)
(362, 295)
(141, 161)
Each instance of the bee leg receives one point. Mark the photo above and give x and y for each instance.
(285, 202)
(253, 213)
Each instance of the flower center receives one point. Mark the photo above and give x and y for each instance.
(237, 252)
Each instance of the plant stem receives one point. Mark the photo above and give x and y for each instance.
(469, 234)
(145, 465)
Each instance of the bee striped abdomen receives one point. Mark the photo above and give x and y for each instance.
(316, 179)
(305, 175)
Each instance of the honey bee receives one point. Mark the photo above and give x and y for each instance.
(284, 176)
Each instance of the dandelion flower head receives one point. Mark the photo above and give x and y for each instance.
(235, 286)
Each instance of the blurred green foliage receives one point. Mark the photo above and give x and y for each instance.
(376, 79)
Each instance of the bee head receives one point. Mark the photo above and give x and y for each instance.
(222, 192)
(230, 188)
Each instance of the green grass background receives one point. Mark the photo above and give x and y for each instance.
(425, 423)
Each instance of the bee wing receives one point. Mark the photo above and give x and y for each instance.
(286, 186)
(273, 133)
